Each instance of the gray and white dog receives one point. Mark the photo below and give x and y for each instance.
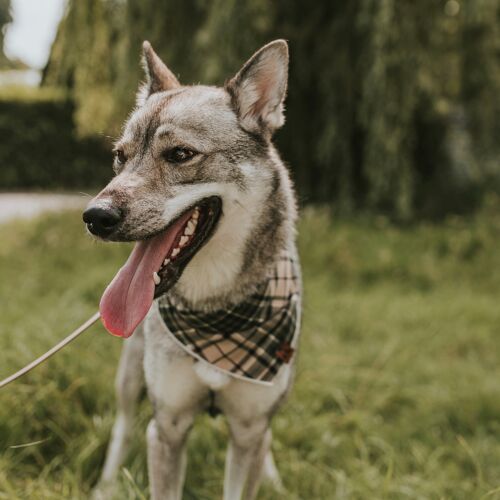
(202, 191)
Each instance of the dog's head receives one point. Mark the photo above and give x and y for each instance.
(193, 166)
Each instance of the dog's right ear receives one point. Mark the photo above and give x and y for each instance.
(158, 76)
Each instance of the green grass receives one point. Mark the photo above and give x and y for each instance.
(397, 394)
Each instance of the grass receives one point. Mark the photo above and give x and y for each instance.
(397, 395)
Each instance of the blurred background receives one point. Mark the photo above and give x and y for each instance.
(393, 105)
(392, 138)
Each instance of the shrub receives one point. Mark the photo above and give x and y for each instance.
(40, 148)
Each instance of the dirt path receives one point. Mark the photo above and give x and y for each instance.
(25, 205)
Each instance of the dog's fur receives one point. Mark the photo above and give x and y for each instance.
(231, 128)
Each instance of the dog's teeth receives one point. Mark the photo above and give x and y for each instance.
(156, 278)
(189, 229)
(175, 252)
(166, 261)
(196, 213)
(183, 240)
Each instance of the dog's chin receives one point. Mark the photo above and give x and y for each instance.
(208, 212)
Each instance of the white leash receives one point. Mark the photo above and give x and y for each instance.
(72, 336)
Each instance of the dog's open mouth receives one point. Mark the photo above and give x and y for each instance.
(155, 265)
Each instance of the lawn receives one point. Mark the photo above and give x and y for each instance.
(398, 387)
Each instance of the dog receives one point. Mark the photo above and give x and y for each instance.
(212, 289)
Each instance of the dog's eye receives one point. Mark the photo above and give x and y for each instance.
(120, 156)
(179, 155)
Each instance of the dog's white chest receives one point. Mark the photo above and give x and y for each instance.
(168, 367)
(210, 376)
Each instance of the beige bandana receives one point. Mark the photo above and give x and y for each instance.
(251, 340)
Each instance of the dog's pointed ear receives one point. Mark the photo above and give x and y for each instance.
(159, 77)
(259, 88)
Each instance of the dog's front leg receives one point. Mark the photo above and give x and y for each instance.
(166, 438)
(129, 385)
(249, 445)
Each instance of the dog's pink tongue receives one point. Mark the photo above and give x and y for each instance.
(129, 296)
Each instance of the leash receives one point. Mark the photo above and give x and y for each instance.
(72, 336)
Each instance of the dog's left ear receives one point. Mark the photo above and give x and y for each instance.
(159, 77)
(259, 88)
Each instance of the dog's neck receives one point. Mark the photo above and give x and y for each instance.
(257, 224)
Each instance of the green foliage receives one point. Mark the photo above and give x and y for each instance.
(5, 14)
(5, 19)
(397, 391)
(392, 104)
(39, 147)
(84, 61)
(481, 70)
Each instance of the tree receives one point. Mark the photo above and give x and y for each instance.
(5, 19)
(392, 104)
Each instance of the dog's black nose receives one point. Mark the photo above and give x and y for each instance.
(101, 221)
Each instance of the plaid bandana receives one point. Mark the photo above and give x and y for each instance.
(251, 340)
